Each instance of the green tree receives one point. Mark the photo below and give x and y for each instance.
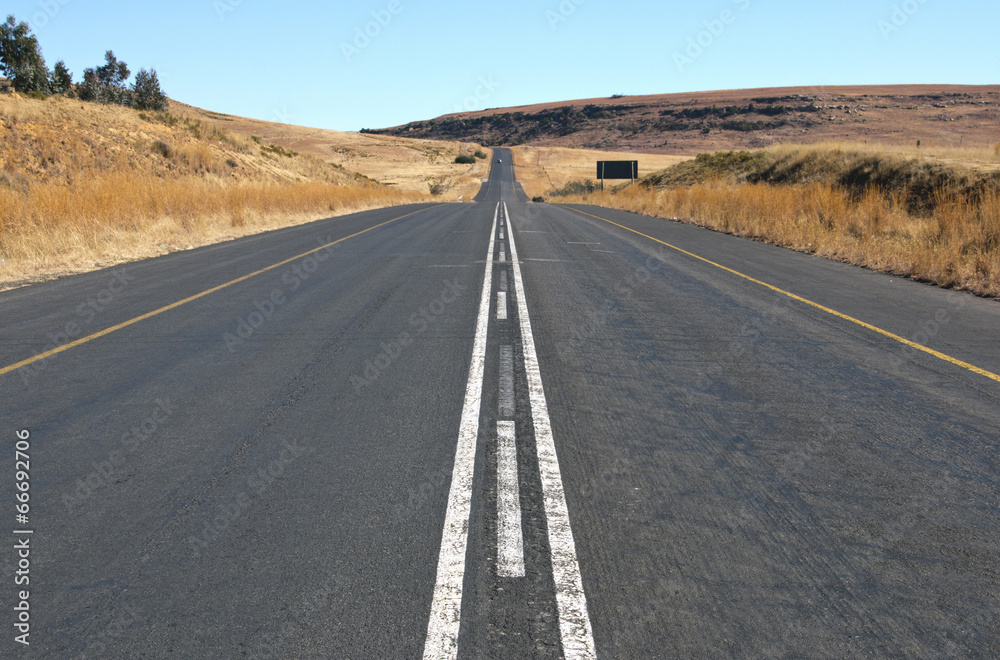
(90, 88)
(62, 79)
(114, 73)
(21, 58)
(106, 84)
(146, 92)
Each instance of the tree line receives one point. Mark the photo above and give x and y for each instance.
(22, 62)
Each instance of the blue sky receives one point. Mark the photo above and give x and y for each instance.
(378, 63)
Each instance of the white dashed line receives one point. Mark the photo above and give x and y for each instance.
(501, 305)
(506, 397)
(446, 605)
(510, 542)
(574, 620)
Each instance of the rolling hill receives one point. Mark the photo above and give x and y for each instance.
(692, 123)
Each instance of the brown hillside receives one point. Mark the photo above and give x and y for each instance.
(698, 122)
(84, 186)
(404, 164)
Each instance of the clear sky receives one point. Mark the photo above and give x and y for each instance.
(378, 63)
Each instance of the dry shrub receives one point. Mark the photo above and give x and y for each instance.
(956, 246)
(196, 155)
(122, 216)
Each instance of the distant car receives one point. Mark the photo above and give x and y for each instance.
(499, 161)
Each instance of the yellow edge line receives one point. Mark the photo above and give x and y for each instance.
(489, 179)
(125, 324)
(930, 351)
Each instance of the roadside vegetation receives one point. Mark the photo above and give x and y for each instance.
(104, 170)
(403, 164)
(85, 185)
(929, 216)
(543, 168)
(21, 60)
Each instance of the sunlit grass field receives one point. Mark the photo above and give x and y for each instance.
(930, 216)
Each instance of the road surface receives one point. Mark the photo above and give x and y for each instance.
(500, 429)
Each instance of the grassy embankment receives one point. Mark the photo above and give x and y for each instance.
(541, 169)
(85, 186)
(402, 163)
(930, 215)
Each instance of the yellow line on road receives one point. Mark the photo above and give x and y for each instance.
(115, 328)
(489, 177)
(930, 351)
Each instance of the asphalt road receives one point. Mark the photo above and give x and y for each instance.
(312, 443)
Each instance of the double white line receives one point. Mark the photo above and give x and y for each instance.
(510, 539)
(446, 607)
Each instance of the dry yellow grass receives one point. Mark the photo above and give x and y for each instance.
(543, 169)
(930, 214)
(56, 230)
(85, 186)
(958, 246)
(402, 163)
(977, 158)
(410, 164)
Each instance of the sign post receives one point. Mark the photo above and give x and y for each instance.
(617, 169)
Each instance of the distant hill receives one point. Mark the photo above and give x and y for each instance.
(690, 123)
(402, 163)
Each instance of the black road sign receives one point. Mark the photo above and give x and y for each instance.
(617, 169)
